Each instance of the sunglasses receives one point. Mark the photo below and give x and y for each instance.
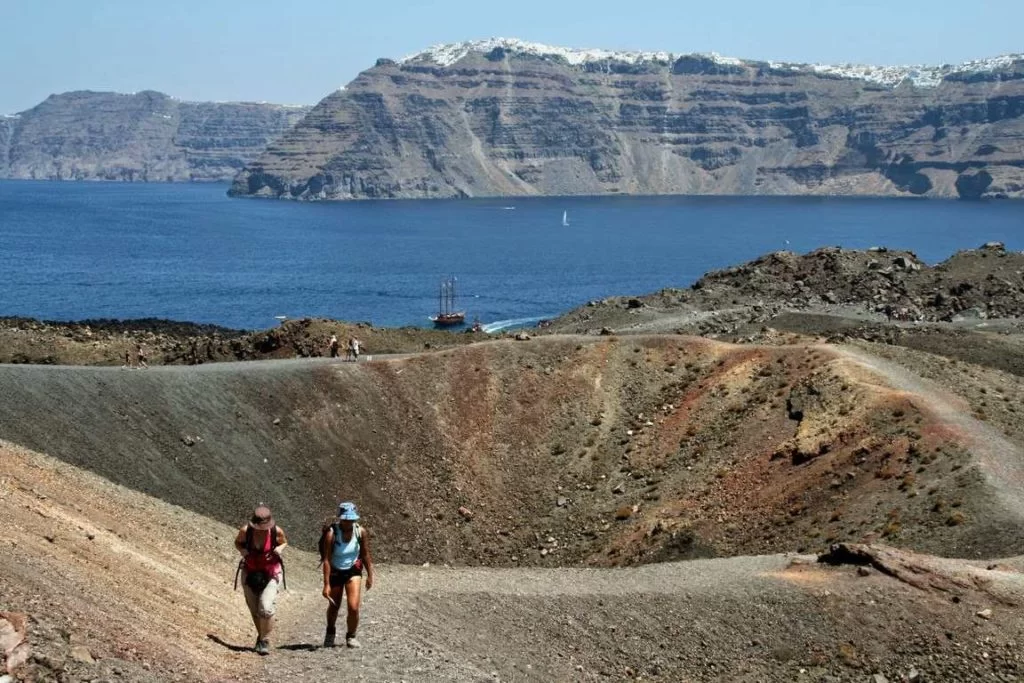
(259, 520)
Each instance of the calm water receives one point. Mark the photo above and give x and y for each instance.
(187, 252)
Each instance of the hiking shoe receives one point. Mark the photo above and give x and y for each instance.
(350, 641)
(262, 647)
(329, 638)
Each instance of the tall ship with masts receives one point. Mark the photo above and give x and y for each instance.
(447, 315)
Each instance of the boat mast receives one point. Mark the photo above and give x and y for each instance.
(446, 297)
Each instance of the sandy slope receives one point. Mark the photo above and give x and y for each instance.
(136, 581)
(143, 600)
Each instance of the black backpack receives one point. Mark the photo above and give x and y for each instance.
(257, 581)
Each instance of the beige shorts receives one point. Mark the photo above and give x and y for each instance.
(263, 605)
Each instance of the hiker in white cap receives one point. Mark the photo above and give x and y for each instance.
(344, 553)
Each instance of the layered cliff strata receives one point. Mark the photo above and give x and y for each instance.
(503, 117)
(6, 130)
(146, 136)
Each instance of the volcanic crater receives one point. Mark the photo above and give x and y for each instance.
(527, 479)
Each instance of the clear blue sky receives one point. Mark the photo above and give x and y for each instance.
(298, 52)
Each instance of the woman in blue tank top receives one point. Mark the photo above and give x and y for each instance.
(346, 552)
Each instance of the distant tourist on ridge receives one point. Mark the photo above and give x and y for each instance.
(344, 553)
(334, 346)
(353, 349)
(140, 353)
(260, 542)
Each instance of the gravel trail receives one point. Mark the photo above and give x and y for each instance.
(1000, 460)
(479, 624)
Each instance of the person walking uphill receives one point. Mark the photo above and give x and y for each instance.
(354, 347)
(260, 542)
(344, 553)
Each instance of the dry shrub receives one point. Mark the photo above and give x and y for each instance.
(848, 655)
(888, 470)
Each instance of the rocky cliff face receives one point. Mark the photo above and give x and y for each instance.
(6, 130)
(502, 117)
(146, 136)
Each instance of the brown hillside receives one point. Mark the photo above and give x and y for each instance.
(568, 455)
(564, 450)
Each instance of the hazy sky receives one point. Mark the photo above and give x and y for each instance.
(298, 52)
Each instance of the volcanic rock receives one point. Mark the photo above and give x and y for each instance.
(81, 654)
(13, 640)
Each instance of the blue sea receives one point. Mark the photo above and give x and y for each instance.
(70, 251)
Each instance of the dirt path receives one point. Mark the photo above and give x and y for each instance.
(225, 366)
(1000, 460)
(767, 618)
(444, 624)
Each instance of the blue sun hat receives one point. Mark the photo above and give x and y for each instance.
(347, 511)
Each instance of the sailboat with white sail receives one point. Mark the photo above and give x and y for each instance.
(565, 219)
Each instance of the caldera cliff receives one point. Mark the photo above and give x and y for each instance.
(146, 136)
(502, 117)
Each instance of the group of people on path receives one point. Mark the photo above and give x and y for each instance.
(354, 347)
(344, 555)
(140, 358)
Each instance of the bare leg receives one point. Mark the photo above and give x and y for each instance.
(352, 590)
(253, 602)
(333, 609)
(265, 626)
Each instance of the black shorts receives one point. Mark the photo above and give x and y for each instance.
(339, 577)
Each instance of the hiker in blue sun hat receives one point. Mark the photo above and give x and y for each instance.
(344, 553)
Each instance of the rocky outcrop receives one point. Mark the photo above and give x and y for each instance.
(833, 292)
(975, 284)
(503, 117)
(146, 136)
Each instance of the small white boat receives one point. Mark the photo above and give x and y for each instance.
(565, 219)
